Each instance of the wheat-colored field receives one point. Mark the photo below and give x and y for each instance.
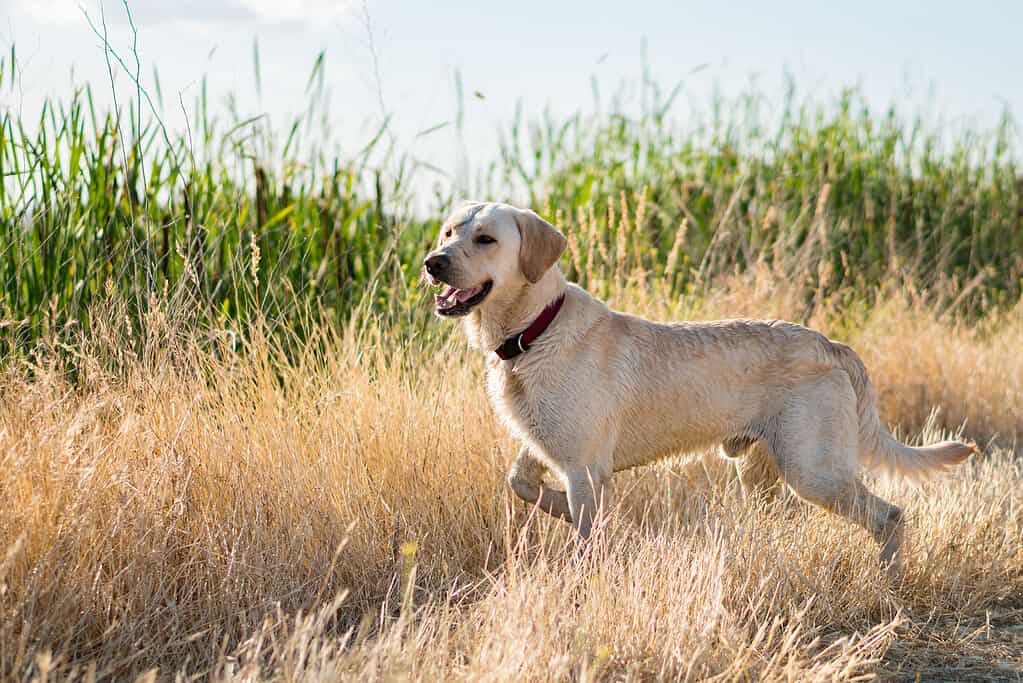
(203, 510)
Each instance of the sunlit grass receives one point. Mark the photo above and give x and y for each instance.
(246, 515)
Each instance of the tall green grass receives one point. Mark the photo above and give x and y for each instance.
(836, 195)
(236, 221)
(224, 217)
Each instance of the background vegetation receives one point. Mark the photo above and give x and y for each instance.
(95, 202)
(235, 445)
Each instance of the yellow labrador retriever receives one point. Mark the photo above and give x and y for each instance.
(590, 391)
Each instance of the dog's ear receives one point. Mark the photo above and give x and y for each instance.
(541, 246)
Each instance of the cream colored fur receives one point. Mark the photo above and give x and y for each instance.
(602, 391)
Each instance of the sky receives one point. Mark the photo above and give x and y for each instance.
(960, 63)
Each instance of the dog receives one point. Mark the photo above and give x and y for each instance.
(590, 391)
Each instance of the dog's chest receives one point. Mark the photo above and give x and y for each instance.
(513, 397)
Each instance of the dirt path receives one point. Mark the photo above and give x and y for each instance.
(989, 648)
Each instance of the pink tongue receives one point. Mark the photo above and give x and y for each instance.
(444, 300)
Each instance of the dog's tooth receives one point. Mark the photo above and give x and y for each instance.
(443, 300)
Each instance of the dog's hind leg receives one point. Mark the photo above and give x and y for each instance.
(526, 479)
(852, 500)
(815, 444)
(754, 466)
(758, 473)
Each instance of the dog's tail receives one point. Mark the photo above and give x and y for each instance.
(878, 448)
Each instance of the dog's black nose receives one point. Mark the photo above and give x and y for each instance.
(437, 264)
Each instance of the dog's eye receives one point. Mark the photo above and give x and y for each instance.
(484, 239)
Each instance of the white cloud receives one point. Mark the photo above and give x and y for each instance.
(314, 13)
(305, 11)
(50, 11)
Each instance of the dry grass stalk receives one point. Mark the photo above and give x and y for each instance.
(199, 511)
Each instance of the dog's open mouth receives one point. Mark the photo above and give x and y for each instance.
(455, 302)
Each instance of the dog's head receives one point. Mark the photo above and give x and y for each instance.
(485, 249)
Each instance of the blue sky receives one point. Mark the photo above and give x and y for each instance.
(958, 61)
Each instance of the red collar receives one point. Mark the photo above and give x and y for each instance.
(520, 342)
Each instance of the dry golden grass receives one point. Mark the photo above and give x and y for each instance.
(237, 517)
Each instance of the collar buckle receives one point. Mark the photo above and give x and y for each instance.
(511, 347)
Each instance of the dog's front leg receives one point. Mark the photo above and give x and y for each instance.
(526, 479)
(587, 497)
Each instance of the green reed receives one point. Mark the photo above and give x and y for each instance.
(231, 222)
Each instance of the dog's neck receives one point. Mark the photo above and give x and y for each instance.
(500, 317)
